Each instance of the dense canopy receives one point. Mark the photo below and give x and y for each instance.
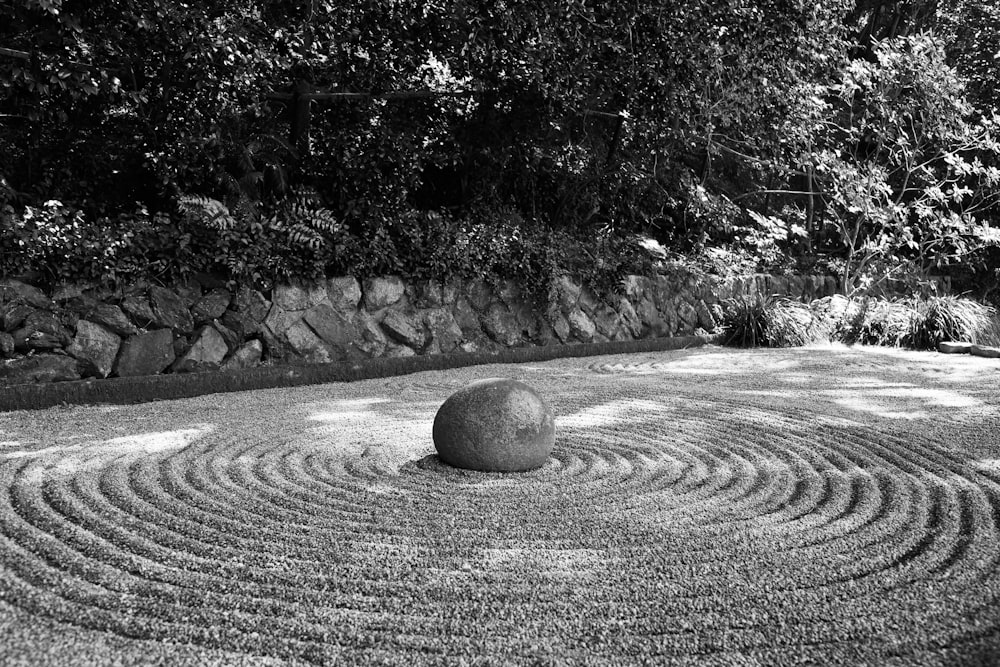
(269, 139)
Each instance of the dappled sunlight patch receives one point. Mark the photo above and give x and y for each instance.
(343, 409)
(67, 460)
(379, 438)
(607, 414)
(141, 443)
(901, 401)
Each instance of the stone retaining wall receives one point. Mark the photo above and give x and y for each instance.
(145, 329)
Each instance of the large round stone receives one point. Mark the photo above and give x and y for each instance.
(495, 425)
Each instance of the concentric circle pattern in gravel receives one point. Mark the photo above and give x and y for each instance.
(713, 507)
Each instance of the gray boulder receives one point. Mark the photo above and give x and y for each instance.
(333, 327)
(494, 425)
(606, 321)
(12, 315)
(344, 293)
(145, 354)
(479, 295)
(567, 293)
(383, 292)
(706, 319)
(247, 312)
(247, 356)
(188, 292)
(307, 345)
(406, 329)
(16, 291)
(38, 368)
(65, 292)
(232, 340)
(954, 347)
(688, 316)
(446, 335)
(630, 322)
(170, 310)
(426, 294)
(560, 326)
(206, 352)
(465, 316)
(139, 310)
(279, 320)
(501, 325)
(95, 348)
(298, 297)
(41, 330)
(372, 342)
(107, 315)
(212, 305)
(581, 326)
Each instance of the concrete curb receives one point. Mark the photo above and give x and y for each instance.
(164, 387)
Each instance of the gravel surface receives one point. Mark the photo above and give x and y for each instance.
(825, 506)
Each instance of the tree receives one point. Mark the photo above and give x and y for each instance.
(904, 165)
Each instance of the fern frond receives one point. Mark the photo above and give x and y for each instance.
(209, 212)
(302, 234)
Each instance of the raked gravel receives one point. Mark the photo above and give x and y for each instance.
(826, 506)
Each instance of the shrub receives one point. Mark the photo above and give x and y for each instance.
(943, 318)
(919, 323)
(873, 321)
(756, 320)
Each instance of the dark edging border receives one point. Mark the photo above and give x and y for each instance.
(147, 388)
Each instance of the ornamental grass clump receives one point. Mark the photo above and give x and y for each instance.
(874, 321)
(951, 318)
(757, 320)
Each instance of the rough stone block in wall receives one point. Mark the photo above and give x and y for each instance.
(502, 326)
(95, 348)
(560, 326)
(293, 298)
(581, 326)
(344, 293)
(479, 295)
(688, 316)
(38, 368)
(445, 333)
(405, 329)
(145, 354)
(307, 346)
(211, 305)
(372, 342)
(334, 327)
(170, 311)
(383, 292)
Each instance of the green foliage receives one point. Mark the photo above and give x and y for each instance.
(756, 320)
(872, 321)
(902, 166)
(951, 318)
(540, 135)
(918, 323)
(57, 243)
(971, 29)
